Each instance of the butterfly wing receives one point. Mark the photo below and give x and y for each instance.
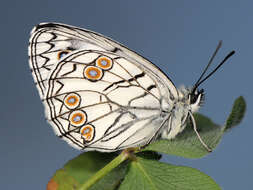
(98, 100)
(49, 42)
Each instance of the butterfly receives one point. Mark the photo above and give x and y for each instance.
(100, 95)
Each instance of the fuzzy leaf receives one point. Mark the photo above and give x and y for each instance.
(146, 174)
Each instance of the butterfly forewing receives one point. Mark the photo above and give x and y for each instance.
(50, 42)
(103, 107)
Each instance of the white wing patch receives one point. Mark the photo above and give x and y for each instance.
(93, 110)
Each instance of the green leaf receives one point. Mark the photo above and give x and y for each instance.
(81, 168)
(188, 145)
(146, 174)
(236, 114)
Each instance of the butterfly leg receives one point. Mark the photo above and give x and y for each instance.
(199, 137)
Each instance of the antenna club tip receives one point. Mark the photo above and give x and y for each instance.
(230, 54)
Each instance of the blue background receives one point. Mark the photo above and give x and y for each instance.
(178, 36)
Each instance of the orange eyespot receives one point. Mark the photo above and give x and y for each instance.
(72, 100)
(93, 73)
(87, 132)
(77, 118)
(104, 63)
(61, 54)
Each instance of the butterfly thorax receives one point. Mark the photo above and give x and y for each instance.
(186, 102)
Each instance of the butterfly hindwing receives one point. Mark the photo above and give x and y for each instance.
(100, 100)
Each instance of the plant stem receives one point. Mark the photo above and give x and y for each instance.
(101, 173)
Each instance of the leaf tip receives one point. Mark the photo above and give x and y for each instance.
(237, 113)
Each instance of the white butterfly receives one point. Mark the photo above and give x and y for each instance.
(99, 95)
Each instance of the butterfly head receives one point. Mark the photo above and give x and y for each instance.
(196, 99)
(191, 98)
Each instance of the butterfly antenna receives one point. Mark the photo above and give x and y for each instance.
(223, 61)
(199, 137)
(208, 65)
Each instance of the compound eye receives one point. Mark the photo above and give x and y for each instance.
(197, 97)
